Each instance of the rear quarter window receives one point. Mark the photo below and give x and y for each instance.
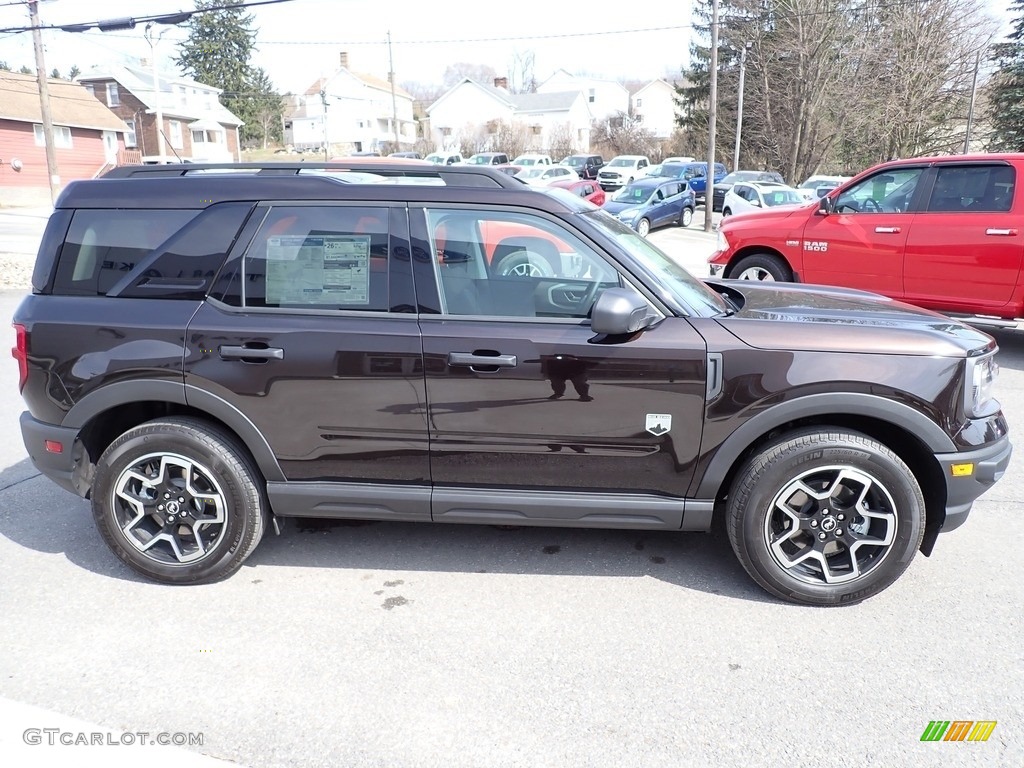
(103, 246)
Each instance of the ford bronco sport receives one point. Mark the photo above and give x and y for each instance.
(209, 349)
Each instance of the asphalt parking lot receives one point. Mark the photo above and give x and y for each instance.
(389, 644)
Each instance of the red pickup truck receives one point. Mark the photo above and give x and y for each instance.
(946, 233)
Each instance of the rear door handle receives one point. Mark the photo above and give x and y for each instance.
(887, 230)
(1001, 232)
(472, 360)
(253, 354)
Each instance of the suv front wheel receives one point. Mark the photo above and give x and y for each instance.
(179, 501)
(825, 517)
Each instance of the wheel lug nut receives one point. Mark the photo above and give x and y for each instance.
(181, 499)
(814, 523)
(822, 535)
(160, 507)
(840, 516)
(839, 532)
(167, 495)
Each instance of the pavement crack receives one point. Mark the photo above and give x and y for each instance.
(19, 482)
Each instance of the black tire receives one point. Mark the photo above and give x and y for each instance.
(761, 266)
(526, 258)
(643, 227)
(224, 492)
(686, 217)
(825, 549)
(726, 212)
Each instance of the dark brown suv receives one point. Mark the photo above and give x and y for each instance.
(208, 349)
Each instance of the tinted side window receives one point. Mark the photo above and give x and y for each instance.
(973, 188)
(185, 265)
(888, 191)
(102, 246)
(317, 257)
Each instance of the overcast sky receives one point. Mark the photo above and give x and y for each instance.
(300, 40)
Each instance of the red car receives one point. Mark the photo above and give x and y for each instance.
(585, 188)
(945, 233)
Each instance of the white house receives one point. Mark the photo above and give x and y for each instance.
(655, 106)
(604, 97)
(194, 125)
(351, 112)
(471, 108)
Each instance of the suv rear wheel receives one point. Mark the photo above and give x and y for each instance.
(825, 517)
(179, 501)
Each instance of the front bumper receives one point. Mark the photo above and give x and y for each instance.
(989, 464)
(64, 467)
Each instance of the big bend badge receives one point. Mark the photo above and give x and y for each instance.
(659, 423)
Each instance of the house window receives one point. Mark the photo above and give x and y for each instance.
(639, 102)
(176, 139)
(198, 137)
(129, 135)
(446, 131)
(61, 136)
(592, 96)
(536, 129)
(113, 97)
(90, 89)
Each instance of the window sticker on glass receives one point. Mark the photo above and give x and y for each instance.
(327, 269)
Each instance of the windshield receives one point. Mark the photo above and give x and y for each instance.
(621, 162)
(531, 173)
(524, 161)
(633, 194)
(573, 162)
(438, 159)
(781, 197)
(735, 176)
(689, 291)
(480, 160)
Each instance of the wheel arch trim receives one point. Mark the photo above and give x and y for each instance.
(159, 390)
(822, 405)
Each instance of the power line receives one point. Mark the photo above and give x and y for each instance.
(129, 22)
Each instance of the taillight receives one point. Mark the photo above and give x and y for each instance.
(20, 353)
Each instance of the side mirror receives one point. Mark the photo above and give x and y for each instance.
(825, 206)
(756, 202)
(620, 311)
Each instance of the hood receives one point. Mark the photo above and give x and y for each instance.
(616, 207)
(776, 213)
(818, 317)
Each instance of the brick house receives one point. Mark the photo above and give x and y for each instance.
(196, 126)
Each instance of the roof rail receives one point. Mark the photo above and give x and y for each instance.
(452, 176)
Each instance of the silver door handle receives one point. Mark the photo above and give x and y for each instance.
(469, 359)
(254, 353)
(1001, 232)
(887, 230)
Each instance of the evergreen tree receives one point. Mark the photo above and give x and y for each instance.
(217, 52)
(25, 70)
(1006, 111)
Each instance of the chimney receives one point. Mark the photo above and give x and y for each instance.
(501, 82)
(344, 59)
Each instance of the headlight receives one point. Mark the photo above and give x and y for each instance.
(982, 373)
(629, 214)
(723, 244)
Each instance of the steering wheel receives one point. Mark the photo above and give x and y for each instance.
(871, 206)
(574, 296)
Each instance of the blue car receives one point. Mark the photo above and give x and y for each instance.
(696, 174)
(652, 202)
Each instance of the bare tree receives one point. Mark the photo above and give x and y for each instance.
(620, 134)
(481, 73)
(511, 138)
(522, 72)
(561, 141)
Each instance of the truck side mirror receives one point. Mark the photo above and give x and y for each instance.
(825, 206)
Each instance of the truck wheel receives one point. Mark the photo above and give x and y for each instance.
(761, 266)
(179, 501)
(825, 517)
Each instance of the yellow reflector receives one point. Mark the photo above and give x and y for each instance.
(962, 470)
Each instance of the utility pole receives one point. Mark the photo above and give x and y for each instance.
(970, 109)
(323, 100)
(709, 188)
(739, 109)
(161, 149)
(44, 102)
(394, 103)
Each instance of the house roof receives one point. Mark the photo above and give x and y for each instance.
(500, 95)
(138, 81)
(370, 81)
(654, 82)
(70, 104)
(583, 79)
(545, 102)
